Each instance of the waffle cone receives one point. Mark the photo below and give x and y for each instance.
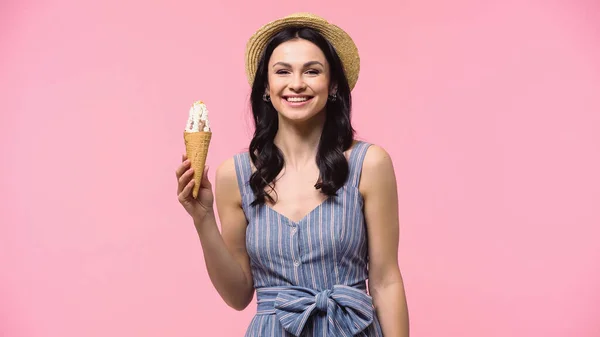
(196, 148)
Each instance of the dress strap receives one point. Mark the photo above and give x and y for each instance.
(357, 156)
(243, 170)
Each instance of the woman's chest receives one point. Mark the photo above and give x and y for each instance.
(334, 227)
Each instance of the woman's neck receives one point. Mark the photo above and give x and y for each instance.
(299, 143)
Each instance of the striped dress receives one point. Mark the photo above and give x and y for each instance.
(310, 275)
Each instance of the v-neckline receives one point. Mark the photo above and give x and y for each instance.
(355, 144)
(302, 219)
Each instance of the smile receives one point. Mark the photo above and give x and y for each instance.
(297, 100)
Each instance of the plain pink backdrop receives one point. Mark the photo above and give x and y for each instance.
(490, 110)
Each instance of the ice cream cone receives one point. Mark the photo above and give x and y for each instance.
(196, 148)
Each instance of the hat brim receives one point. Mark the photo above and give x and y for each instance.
(339, 39)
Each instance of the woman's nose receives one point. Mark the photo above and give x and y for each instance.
(297, 83)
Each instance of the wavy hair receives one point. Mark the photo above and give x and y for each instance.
(337, 135)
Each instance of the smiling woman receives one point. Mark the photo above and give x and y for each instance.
(300, 62)
(298, 88)
(308, 213)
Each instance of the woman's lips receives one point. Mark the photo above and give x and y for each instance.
(296, 101)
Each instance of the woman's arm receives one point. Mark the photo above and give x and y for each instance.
(378, 186)
(225, 254)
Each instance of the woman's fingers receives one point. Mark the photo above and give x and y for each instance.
(184, 179)
(182, 168)
(184, 165)
(187, 191)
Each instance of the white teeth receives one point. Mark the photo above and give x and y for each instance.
(297, 99)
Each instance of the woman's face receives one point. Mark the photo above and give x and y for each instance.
(298, 80)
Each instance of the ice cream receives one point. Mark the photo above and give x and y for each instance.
(197, 136)
(198, 118)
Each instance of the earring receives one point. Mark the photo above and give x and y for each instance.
(333, 97)
(266, 97)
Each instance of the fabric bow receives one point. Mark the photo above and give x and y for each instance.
(346, 310)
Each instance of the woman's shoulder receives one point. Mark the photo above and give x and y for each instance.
(226, 173)
(377, 171)
(375, 155)
(376, 159)
(227, 184)
(231, 168)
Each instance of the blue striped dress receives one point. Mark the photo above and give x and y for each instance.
(310, 275)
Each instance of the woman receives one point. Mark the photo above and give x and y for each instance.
(307, 209)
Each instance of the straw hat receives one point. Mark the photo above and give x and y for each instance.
(341, 41)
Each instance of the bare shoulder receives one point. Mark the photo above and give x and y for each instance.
(226, 170)
(377, 170)
(376, 158)
(226, 184)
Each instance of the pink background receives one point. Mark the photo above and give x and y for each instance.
(490, 109)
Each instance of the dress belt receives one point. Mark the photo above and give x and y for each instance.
(345, 310)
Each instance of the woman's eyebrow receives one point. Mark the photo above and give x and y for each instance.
(307, 64)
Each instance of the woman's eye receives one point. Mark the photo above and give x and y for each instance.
(285, 72)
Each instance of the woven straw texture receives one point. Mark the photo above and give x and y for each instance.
(341, 41)
(196, 148)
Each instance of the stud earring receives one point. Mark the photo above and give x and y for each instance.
(266, 97)
(333, 97)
